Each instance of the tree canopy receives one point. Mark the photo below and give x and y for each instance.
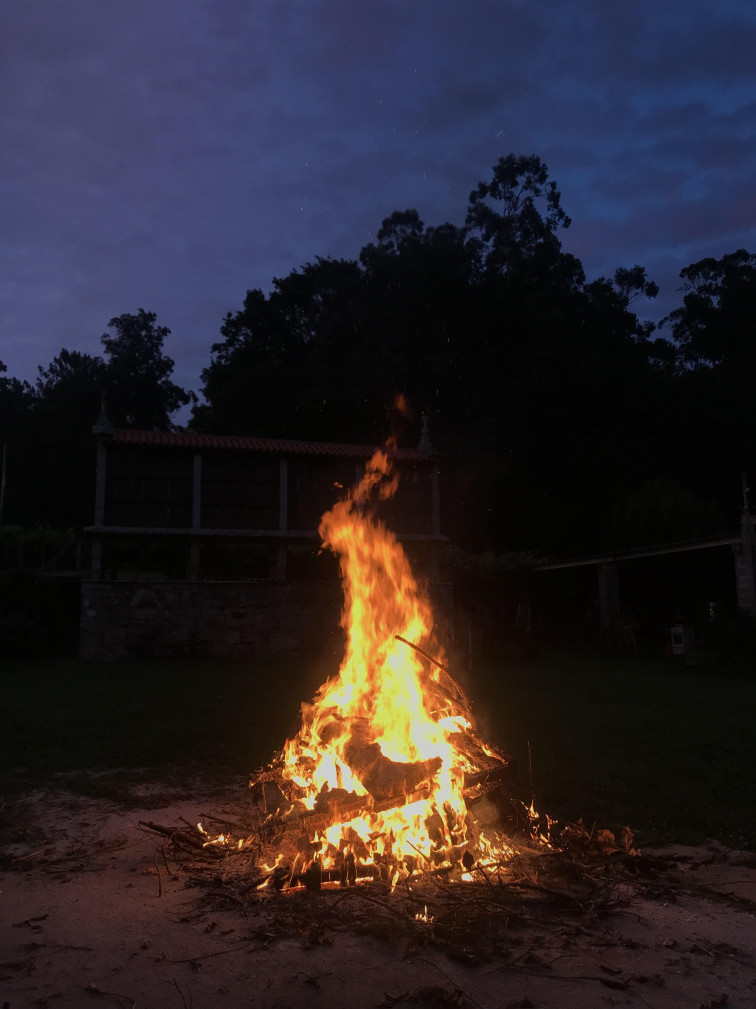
(716, 324)
(138, 374)
(531, 376)
(48, 427)
(560, 412)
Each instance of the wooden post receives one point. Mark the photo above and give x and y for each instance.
(279, 567)
(2, 482)
(197, 491)
(193, 565)
(283, 494)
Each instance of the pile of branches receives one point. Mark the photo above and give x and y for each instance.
(561, 884)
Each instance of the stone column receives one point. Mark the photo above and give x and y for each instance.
(745, 583)
(99, 512)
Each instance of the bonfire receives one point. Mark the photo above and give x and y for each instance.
(388, 780)
(387, 767)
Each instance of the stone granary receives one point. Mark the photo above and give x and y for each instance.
(208, 545)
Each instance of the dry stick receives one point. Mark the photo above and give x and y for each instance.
(255, 883)
(113, 994)
(422, 651)
(174, 984)
(182, 837)
(157, 870)
(191, 826)
(220, 819)
(31, 854)
(451, 980)
(435, 662)
(217, 952)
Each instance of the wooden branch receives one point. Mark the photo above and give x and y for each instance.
(182, 837)
(462, 696)
(422, 652)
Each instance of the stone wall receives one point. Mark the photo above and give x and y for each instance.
(121, 619)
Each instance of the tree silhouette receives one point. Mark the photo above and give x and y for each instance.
(140, 391)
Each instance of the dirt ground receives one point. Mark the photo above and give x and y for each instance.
(92, 917)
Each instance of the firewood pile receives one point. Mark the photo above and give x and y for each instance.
(271, 857)
(267, 865)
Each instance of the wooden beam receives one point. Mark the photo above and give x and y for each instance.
(283, 494)
(281, 534)
(630, 555)
(197, 491)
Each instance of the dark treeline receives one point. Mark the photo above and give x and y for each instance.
(564, 422)
(47, 428)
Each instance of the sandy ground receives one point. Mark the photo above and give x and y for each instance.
(92, 918)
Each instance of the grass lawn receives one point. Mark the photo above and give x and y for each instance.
(62, 715)
(613, 740)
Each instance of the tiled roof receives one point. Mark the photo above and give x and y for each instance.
(239, 443)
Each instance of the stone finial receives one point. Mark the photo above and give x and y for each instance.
(102, 425)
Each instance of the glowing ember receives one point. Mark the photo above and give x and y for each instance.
(387, 760)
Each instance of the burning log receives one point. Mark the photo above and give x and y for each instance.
(381, 777)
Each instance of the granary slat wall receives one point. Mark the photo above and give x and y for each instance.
(209, 544)
(239, 491)
(148, 488)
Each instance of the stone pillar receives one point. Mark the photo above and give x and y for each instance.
(99, 512)
(745, 584)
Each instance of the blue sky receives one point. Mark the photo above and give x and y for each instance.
(172, 154)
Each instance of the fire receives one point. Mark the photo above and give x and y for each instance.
(387, 753)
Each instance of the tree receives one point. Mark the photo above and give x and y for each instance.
(51, 462)
(514, 219)
(16, 398)
(285, 364)
(716, 324)
(715, 333)
(610, 302)
(139, 388)
(68, 393)
(541, 389)
(54, 465)
(662, 511)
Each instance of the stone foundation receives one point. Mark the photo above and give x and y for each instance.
(242, 620)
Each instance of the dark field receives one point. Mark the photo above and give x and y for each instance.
(613, 740)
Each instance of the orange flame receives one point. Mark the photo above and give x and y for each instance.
(386, 731)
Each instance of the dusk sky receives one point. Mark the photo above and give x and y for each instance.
(172, 154)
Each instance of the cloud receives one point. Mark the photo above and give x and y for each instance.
(172, 155)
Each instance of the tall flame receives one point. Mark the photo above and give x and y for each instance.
(385, 745)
